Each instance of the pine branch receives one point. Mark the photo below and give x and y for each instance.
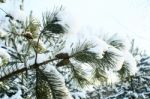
(124, 71)
(99, 75)
(51, 22)
(56, 84)
(117, 43)
(8, 72)
(43, 90)
(83, 54)
(109, 60)
(78, 76)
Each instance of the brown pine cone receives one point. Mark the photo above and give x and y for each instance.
(62, 56)
(28, 35)
(63, 62)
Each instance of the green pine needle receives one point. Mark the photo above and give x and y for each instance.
(79, 77)
(124, 71)
(119, 44)
(109, 60)
(99, 75)
(51, 22)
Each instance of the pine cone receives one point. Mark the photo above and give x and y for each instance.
(62, 56)
(63, 62)
(28, 35)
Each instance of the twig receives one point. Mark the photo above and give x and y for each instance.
(36, 54)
